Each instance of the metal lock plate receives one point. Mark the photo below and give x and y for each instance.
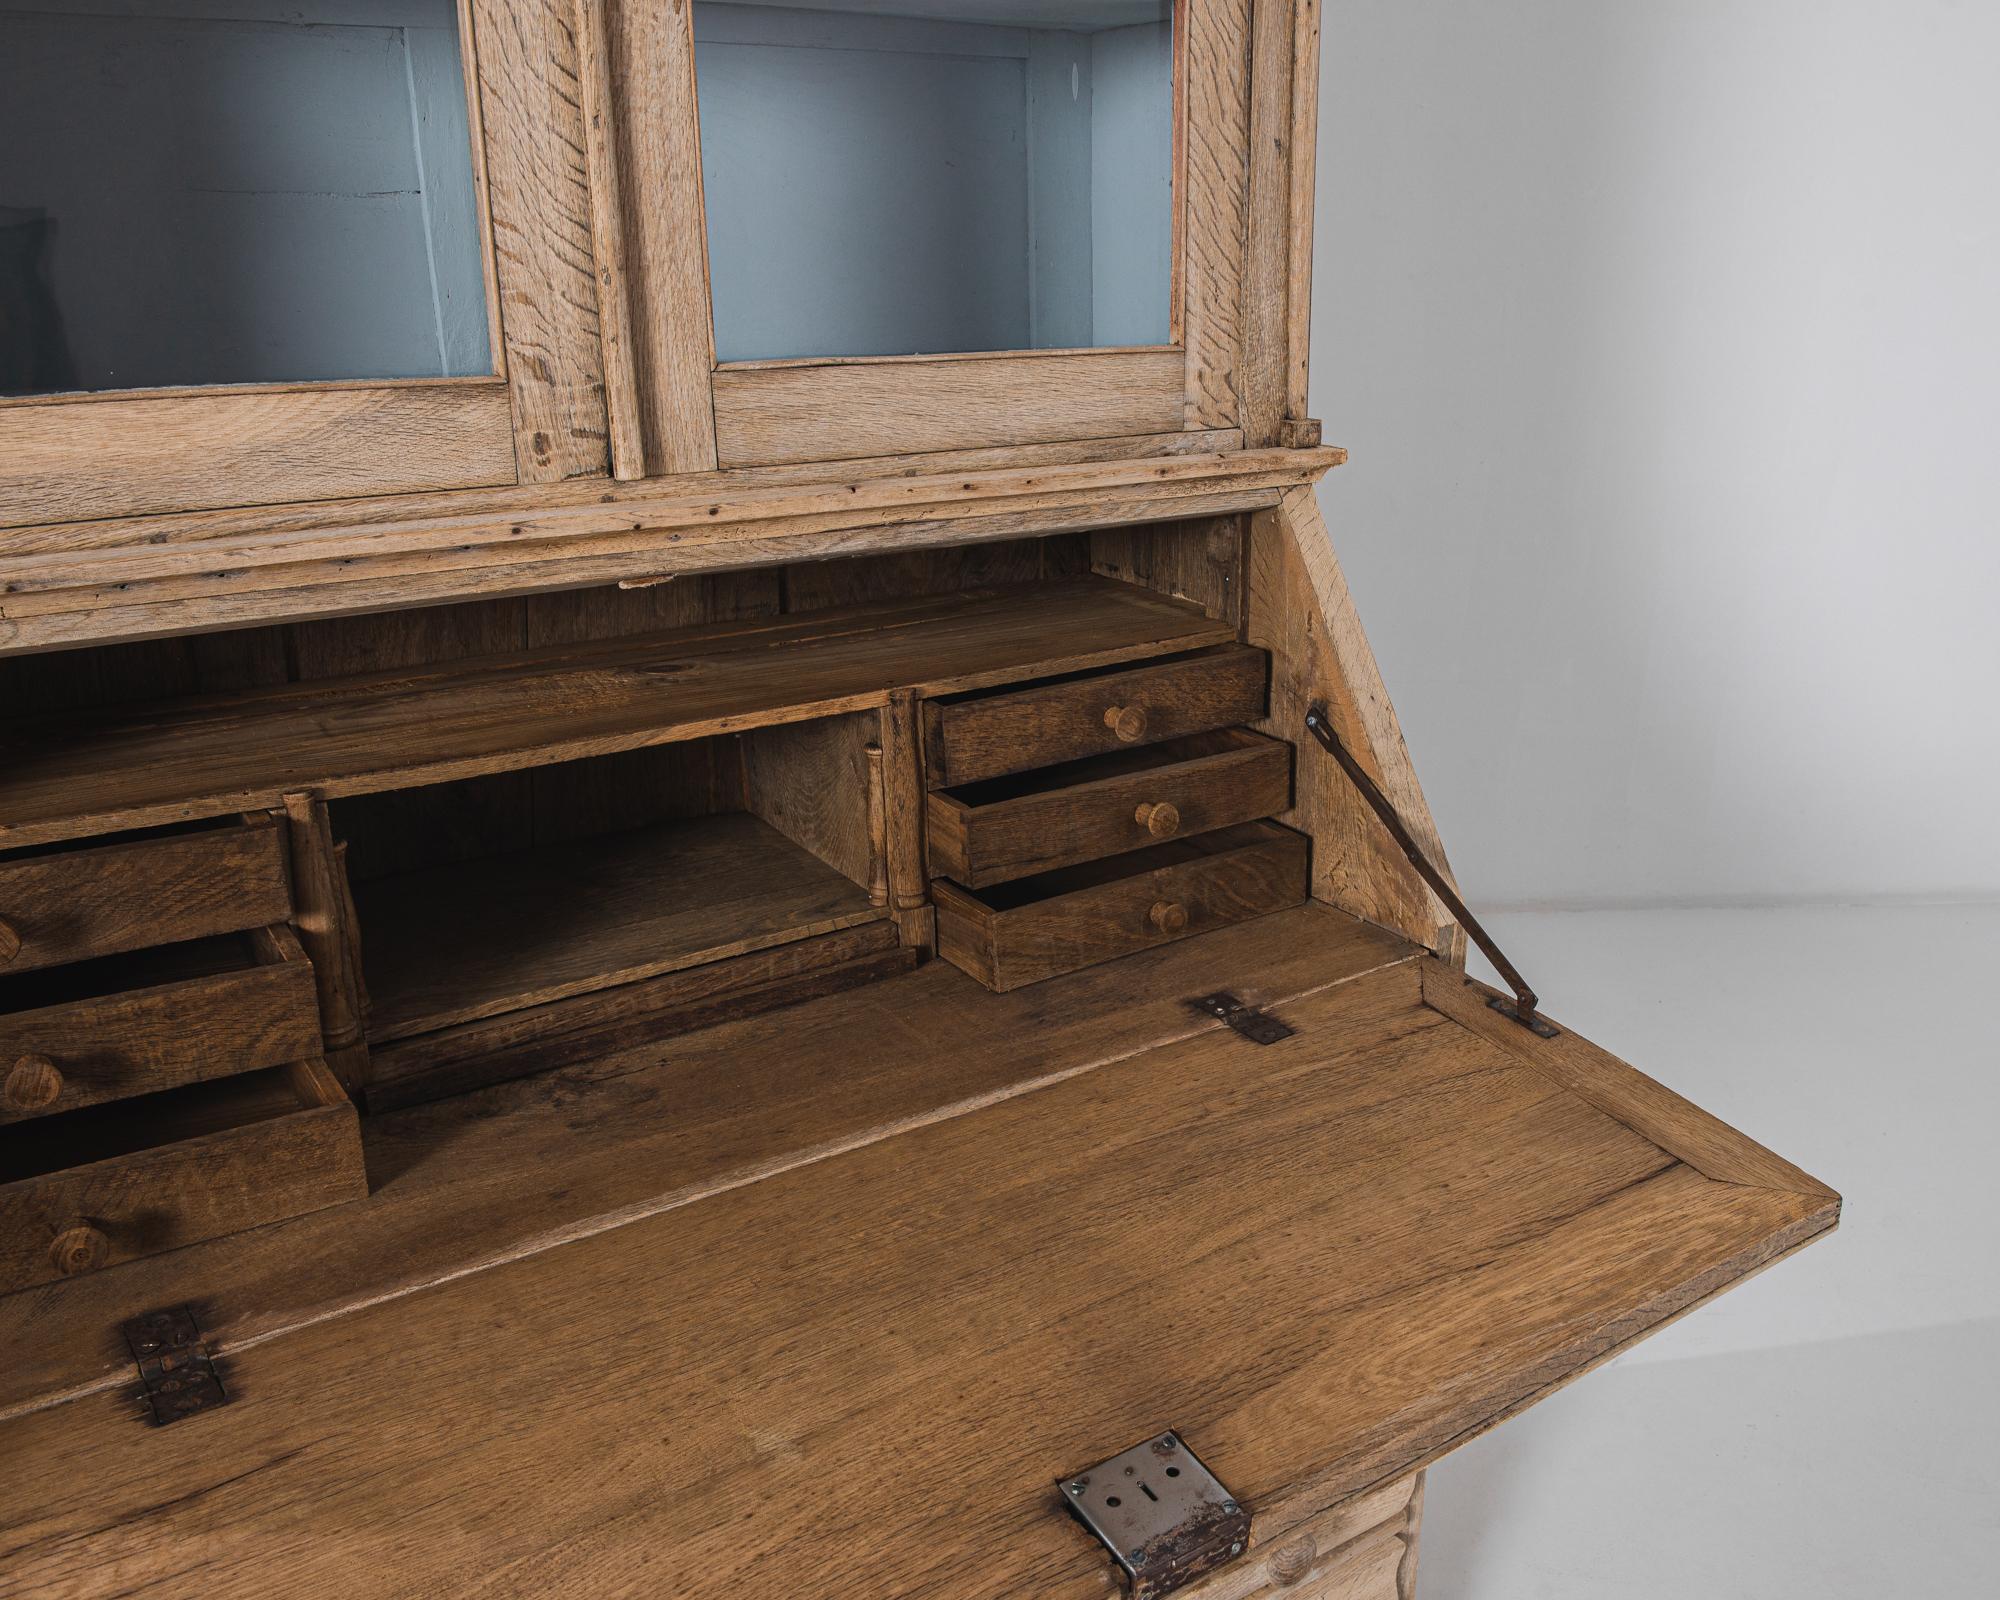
(1161, 1513)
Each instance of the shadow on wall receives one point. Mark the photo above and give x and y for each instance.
(1664, 341)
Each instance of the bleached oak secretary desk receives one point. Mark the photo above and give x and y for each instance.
(704, 889)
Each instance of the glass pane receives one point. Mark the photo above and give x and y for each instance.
(893, 177)
(235, 191)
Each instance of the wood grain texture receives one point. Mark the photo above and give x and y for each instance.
(1217, 182)
(127, 457)
(471, 940)
(609, 254)
(207, 1159)
(1040, 927)
(1266, 289)
(72, 905)
(1306, 1560)
(358, 735)
(465, 1186)
(1704, 1142)
(326, 923)
(1294, 426)
(585, 1028)
(986, 833)
(810, 781)
(988, 736)
(1301, 611)
(1454, 1235)
(538, 191)
(824, 411)
(660, 169)
(904, 819)
(1201, 560)
(630, 533)
(165, 1030)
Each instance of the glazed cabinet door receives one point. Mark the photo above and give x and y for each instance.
(852, 230)
(254, 251)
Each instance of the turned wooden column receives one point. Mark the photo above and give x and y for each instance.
(903, 795)
(323, 913)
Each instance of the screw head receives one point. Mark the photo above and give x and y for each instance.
(1077, 1487)
(1231, 1507)
(1236, 1549)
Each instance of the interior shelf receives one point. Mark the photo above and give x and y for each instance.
(73, 776)
(473, 939)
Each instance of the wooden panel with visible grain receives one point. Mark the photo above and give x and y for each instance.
(180, 1015)
(81, 775)
(471, 1183)
(1035, 928)
(985, 833)
(70, 905)
(1217, 90)
(121, 457)
(585, 1028)
(133, 1178)
(538, 192)
(1454, 1236)
(825, 411)
(991, 735)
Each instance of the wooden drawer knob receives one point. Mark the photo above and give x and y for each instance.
(10, 942)
(1161, 818)
(33, 1082)
(1168, 916)
(1128, 722)
(81, 1247)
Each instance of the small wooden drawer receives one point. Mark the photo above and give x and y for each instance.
(74, 903)
(1035, 928)
(969, 738)
(983, 833)
(148, 1020)
(114, 1182)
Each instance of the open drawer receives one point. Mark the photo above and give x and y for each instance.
(113, 1182)
(154, 1019)
(830, 1262)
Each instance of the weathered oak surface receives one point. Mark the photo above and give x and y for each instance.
(1396, 1232)
(76, 775)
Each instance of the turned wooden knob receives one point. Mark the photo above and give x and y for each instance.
(1128, 722)
(81, 1247)
(1161, 818)
(1168, 916)
(32, 1083)
(10, 942)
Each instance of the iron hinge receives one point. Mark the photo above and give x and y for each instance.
(1259, 1027)
(177, 1375)
(1163, 1515)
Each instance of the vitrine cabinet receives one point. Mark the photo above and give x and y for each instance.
(704, 886)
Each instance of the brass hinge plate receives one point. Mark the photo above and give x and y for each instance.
(1163, 1515)
(177, 1376)
(1259, 1027)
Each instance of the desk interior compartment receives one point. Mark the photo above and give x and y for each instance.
(503, 918)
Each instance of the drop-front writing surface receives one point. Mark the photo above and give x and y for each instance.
(899, 177)
(237, 193)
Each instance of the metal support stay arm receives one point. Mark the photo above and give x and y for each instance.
(1320, 726)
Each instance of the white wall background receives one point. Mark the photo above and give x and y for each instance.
(1666, 339)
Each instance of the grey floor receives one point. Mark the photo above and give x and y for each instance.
(1831, 1429)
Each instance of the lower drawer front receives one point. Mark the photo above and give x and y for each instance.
(986, 833)
(114, 1182)
(1038, 927)
(175, 1016)
(1363, 1550)
(76, 904)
